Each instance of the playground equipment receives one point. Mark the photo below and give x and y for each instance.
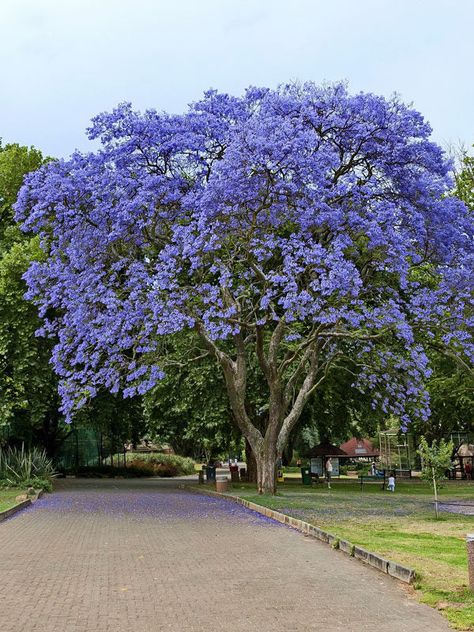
(397, 452)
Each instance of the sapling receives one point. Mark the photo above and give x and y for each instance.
(435, 459)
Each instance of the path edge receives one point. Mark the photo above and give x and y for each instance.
(389, 567)
(7, 513)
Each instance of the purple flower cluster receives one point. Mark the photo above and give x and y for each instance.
(308, 204)
(141, 503)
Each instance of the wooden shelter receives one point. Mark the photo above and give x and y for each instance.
(325, 450)
(318, 456)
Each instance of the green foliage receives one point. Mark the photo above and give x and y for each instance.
(183, 465)
(27, 383)
(155, 469)
(24, 467)
(121, 420)
(143, 464)
(336, 411)
(189, 408)
(359, 467)
(15, 162)
(435, 459)
(39, 483)
(465, 182)
(451, 390)
(28, 399)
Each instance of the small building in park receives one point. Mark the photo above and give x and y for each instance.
(360, 448)
(318, 456)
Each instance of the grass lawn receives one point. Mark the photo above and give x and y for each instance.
(7, 497)
(400, 526)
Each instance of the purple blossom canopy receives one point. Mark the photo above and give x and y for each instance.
(327, 210)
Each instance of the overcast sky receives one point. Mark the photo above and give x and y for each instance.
(63, 61)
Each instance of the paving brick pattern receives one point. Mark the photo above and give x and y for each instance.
(146, 556)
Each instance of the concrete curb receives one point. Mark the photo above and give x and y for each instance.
(20, 506)
(15, 509)
(388, 567)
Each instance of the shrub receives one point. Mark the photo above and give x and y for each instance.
(143, 464)
(152, 468)
(182, 465)
(21, 467)
(39, 483)
(141, 468)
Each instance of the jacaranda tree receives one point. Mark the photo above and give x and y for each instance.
(305, 227)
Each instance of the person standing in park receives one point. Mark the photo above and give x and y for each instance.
(391, 482)
(328, 472)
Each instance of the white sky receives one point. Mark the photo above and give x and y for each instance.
(63, 61)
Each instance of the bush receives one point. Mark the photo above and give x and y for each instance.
(19, 467)
(39, 483)
(135, 469)
(141, 468)
(152, 468)
(180, 465)
(142, 464)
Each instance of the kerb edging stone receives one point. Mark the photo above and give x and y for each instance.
(15, 509)
(402, 573)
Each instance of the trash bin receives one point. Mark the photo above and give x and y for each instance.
(234, 473)
(222, 484)
(306, 475)
(210, 473)
(243, 474)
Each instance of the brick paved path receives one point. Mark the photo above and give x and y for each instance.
(145, 556)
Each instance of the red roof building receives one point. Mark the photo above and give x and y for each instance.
(359, 448)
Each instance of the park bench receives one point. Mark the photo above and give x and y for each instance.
(380, 478)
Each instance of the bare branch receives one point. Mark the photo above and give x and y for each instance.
(275, 341)
(262, 360)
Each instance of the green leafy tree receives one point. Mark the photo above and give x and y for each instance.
(189, 409)
(451, 386)
(451, 389)
(435, 460)
(119, 421)
(465, 181)
(15, 162)
(28, 385)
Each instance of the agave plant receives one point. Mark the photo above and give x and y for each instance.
(20, 465)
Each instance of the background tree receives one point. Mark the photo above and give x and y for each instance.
(286, 227)
(451, 383)
(465, 181)
(435, 460)
(29, 400)
(117, 420)
(451, 389)
(189, 408)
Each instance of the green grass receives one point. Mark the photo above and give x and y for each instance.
(7, 497)
(400, 526)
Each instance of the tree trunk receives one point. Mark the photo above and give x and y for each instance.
(433, 473)
(251, 463)
(266, 470)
